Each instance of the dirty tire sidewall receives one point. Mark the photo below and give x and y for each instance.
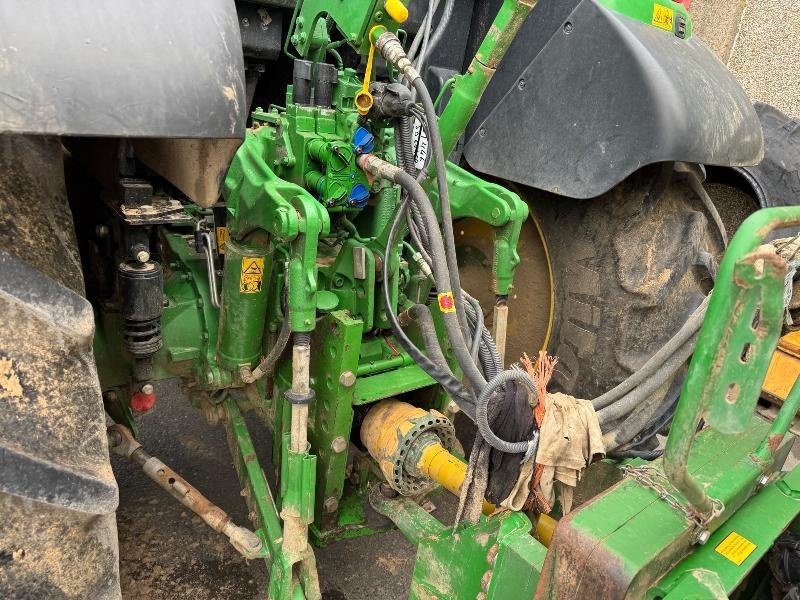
(629, 268)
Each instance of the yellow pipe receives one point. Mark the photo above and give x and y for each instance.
(446, 470)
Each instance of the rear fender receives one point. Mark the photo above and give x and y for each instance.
(604, 96)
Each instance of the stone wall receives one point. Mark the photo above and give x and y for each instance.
(759, 40)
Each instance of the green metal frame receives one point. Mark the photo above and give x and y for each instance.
(269, 206)
(736, 341)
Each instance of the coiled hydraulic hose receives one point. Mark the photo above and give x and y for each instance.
(482, 417)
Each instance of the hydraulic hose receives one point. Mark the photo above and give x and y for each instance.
(451, 385)
(392, 50)
(687, 330)
(268, 363)
(627, 403)
(380, 168)
(444, 195)
(642, 415)
(421, 314)
(482, 417)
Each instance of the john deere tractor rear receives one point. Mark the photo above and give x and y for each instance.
(313, 279)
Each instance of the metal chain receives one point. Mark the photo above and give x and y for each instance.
(653, 478)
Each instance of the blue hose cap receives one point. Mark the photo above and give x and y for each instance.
(363, 141)
(359, 195)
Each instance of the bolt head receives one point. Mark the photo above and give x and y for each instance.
(763, 480)
(339, 444)
(703, 536)
(347, 379)
(147, 388)
(143, 256)
(331, 504)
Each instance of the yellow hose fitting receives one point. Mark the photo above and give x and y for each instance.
(397, 10)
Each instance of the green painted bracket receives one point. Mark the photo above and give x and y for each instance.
(496, 556)
(709, 573)
(257, 199)
(256, 492)
(735, 343)
(469, 88)
(471, 196)
(298, 482)
(628, 537)
(353, 18)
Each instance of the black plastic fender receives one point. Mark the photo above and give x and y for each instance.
(122, 68)
(602, 97)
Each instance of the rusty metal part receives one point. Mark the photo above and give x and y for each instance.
(530, 304)
(500, 330)
(122, 442)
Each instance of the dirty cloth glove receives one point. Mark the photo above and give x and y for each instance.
(570, 439)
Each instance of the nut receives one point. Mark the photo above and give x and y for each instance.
(347, 379)
(147, 388)
(703, 536)
(143, 256)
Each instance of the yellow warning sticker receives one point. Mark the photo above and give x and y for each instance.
(222, 237)
(735, 548)
(663, 17)
(252, 276)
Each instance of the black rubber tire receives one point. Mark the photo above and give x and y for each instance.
(58, 496)
(629, 268)
(775, 181)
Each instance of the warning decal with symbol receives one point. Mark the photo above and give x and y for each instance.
(252, 277)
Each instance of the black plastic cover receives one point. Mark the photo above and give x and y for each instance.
(602, 97)
(122, 68)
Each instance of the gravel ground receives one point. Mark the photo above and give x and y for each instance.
(167, 553)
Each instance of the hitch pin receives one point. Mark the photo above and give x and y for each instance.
(122, 442)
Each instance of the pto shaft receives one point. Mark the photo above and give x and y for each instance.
(412, 447)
